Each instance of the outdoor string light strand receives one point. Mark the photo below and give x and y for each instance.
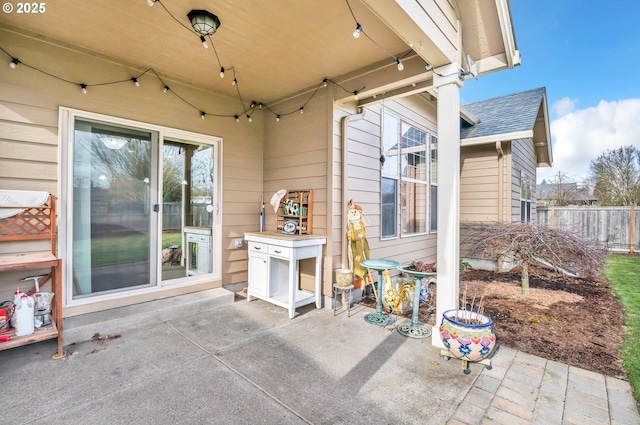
(247, 111)
(361, 30)
(166, 88)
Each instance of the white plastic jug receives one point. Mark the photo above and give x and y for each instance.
(24, 316)
(16, 300)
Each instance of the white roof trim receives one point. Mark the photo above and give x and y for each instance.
(468, 116)
(508, 36)
(527, 134)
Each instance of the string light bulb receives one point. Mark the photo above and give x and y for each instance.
(400, 64)
(249, 118)
(202, 114)
(324, 83)
(204, 42)
(14, 63)
(253, 104)
(355, 95)
(301, 110)
(357, 31)
(151, 2)
(278, 118)
(222, 72)
(135, 81)
(237, 118)
(84, 88)
(234, 82)
(165, 89)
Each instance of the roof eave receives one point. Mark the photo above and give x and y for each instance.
(483, 140)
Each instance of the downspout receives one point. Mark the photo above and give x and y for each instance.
(345, 189)
(500, 180)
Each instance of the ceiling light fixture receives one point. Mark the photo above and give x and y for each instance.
(114, 143)
(203, 22)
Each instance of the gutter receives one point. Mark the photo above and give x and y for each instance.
(345, 188)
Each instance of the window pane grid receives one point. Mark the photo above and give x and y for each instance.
(409, 179)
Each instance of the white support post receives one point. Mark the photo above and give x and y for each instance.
(447, 80)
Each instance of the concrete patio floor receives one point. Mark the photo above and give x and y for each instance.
(203, 358)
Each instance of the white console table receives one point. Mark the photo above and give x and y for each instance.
(273, 268)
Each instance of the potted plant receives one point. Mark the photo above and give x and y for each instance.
(468, 334)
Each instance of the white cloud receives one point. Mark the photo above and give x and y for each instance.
(563, 106)
(581, 136)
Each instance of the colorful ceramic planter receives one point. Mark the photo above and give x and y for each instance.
(471, 342)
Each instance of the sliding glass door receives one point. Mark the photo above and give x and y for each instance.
(140, 207)
(112, 243)
(188, 176)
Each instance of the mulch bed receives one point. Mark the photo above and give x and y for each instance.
(576, 321)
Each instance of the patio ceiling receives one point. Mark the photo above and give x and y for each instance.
(275, 47)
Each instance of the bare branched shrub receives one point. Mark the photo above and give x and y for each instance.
(532, 243)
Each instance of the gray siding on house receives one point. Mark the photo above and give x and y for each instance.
(364, 178)
(523, 159)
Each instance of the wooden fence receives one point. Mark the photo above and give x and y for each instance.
(616, 227)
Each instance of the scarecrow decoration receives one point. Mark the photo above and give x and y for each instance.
(358, 244)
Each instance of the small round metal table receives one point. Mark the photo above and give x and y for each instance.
(415, 329)
(379, 318)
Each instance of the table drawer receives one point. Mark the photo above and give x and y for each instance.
(258, 247)
(279, 251)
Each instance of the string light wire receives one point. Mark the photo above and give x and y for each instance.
(247, 111)
(361, 30)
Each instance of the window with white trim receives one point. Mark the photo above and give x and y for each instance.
(408, 191)
(526, 190)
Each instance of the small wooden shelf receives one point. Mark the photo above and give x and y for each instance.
(40, 334)
(35, 223)
(303, 220)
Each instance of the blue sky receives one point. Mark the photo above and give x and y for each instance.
(587, 54)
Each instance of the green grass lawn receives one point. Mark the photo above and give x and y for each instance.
(623, 271)
(120, 249)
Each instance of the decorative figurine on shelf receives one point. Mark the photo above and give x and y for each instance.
(358, 244)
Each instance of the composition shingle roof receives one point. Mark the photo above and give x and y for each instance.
(504, 114)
